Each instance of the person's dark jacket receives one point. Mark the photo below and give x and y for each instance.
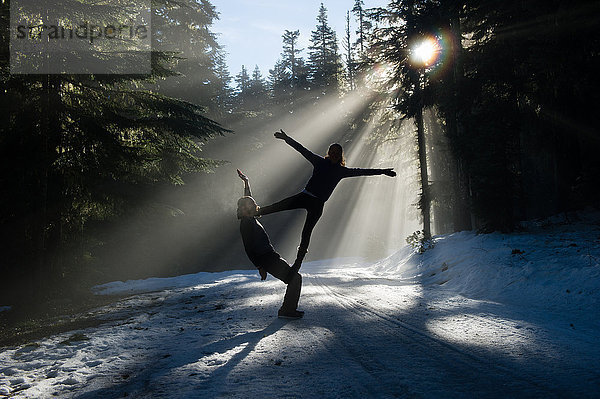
(326, 175)
(255, 238)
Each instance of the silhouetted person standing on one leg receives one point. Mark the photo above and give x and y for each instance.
(327, 173)
(260, 251)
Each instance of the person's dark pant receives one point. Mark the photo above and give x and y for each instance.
(279, 268)
(313, 206)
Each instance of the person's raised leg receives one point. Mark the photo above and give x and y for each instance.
(312, 217)
(293, 202)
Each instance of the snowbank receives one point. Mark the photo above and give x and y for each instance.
(191, 280)
(555, 265)
(163, 283)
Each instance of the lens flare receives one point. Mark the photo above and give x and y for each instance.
(427, 52)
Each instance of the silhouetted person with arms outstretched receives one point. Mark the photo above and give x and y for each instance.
(327, 173)
(262, 254)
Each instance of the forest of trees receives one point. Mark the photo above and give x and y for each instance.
(511, 130)
(515, 99)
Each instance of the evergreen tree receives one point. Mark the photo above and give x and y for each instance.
(280, 86)
(223, 93)
(83, 148)
(289, 76)
(364, 27)
(402, 18)
(182, 28)
(242, 91)
(350, 64)
(291, 55)
(497, 99)
(324, 59)
(257, 90)
(531, 164)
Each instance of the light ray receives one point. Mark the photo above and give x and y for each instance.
(371, 216)
(209, 231)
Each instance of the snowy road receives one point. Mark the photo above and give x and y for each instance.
(363, 336)
(400, 340)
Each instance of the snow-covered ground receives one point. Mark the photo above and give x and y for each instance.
(477, 316)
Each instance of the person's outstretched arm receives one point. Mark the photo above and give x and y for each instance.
(246, 229)
(306, 153)
(352, 172)
(247, 191)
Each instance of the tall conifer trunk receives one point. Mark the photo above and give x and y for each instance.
(425, 197)
(462, 215)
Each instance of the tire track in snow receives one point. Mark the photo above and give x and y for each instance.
(362, 373)
(431, 352)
